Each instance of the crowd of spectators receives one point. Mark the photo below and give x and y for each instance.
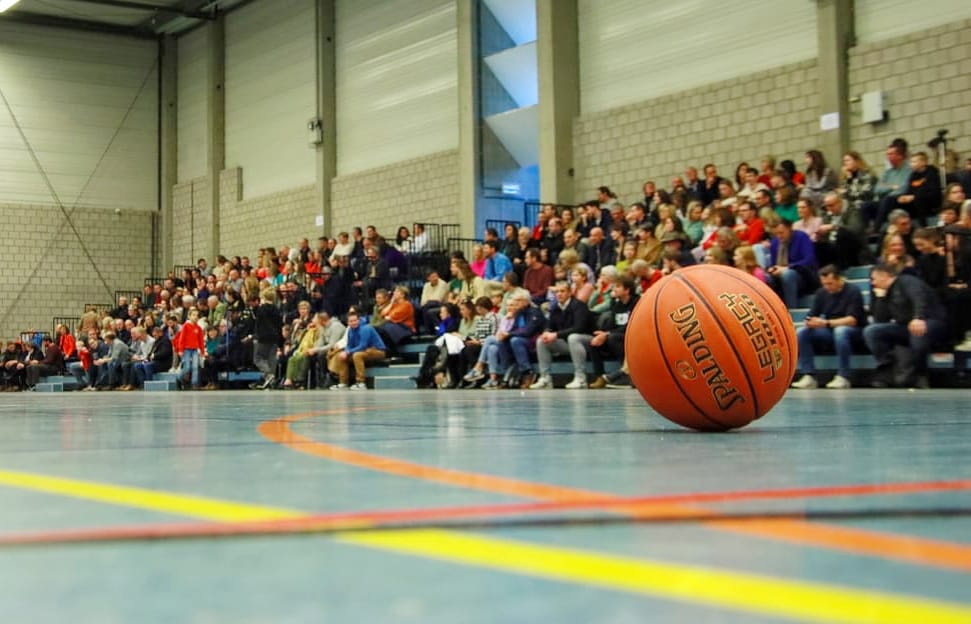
(318, 316)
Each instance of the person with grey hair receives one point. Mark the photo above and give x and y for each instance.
(901, 224)
(840, 238)
(516, 343)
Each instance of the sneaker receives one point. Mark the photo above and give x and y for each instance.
(268, 383)
(964, 346)
(619, 380)
(543, 382)
(474, 375)
(359, 386)
(578, 383)
(806, 382)
(599, 383)
(839, 383)
(492, 384)
(340, 386)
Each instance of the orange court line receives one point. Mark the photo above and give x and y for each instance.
(914, 550)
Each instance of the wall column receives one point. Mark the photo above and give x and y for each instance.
(834, 30)
(467, 14)
(168, 150)
(558, 69)
(216, 117)
(326, 111)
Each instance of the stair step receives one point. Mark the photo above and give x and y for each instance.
(159, 386)
(394, 382)
(49, 387)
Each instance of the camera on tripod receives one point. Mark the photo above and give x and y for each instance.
(938, 140)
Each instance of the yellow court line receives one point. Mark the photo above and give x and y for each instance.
(739, 591)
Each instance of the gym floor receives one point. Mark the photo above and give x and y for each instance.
(475, 506)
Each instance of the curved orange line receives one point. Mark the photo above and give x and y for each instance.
(909, 549)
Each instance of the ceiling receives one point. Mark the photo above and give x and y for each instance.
(142, 18)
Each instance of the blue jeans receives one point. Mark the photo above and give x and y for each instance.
(792, 282)
(516, 347)
(190, 364)
(840, 339)
(142, 372)
(883, 338)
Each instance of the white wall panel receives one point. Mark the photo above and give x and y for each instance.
(193, 124)
(397, 81)
(70, 92)
(270, 94)
(635, 50)
(883, 19)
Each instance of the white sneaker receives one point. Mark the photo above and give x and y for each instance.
(964, 346)
(339, 386)
(543, 382)
(359, 386)
(806, 382)
(578, 383)
(839, 383)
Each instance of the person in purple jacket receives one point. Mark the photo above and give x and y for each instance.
(792, 263)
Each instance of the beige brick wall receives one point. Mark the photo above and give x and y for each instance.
(926, 82)
(273, 220)
(773, 112)
(423, 189)
(191, 222)
(46, 273)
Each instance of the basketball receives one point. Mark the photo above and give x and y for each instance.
(711, 347)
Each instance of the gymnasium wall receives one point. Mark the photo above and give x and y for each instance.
(774, 111)
(87, 104)
(421, 189)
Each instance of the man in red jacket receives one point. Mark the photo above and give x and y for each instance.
(750, 229)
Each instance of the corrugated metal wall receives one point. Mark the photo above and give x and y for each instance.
(883, 19)
(70, 92)
(270, 94)
(397, 81)
(635, 50)
(192, 78)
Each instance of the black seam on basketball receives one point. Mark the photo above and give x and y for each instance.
(667, 364)
(782, 321)
(741, 363)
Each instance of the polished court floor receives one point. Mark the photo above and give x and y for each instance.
(471, 506)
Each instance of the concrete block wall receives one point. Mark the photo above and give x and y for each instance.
(771, 112)
(925, 80)
(47, 274)
(422, 189)
(191, 221)
(273, 220)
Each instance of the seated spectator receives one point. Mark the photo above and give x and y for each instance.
(602, 297)
(840, 238)
(792, 263)
(363, 345)
(141, 344)
(908, 321)
(943, 266)
(465, 284)
(516, 343)
(628, 255)
(484, 323)
(901, 224)
(497, 264)
(744, 259)
(434, 293)
(552, 242)
(694, 222)
(793, 178)
(749, 229)
(298, 364)
(15, 368)
(158, 358)
(857, 182)
(419, 242)
(109, 365)
(538, 276)
(52, 363)
(66, 343)
(397, 320)
(785, 204)
(567, 332)
(581, 288)
(607, 341)
(808, 222)
(441, 366)
(478, 261)
(891, 185)
(894, 254)
(820, 179)
(922, 196)
(344, 247)
(751, 184)
(835, 321)
(510, 242)
(717, 255)
(600, 251)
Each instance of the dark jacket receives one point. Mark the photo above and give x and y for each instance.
(269, 324)
(925, 186)
(615, 319)
(575, 319)
(529, 322)
(161, 353)
(908, 298)
(599, 256)
(847, 302)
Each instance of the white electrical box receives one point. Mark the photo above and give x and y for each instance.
(315, 132)
(873, 111)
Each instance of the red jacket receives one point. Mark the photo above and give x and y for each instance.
(68, 345)
(191, 336)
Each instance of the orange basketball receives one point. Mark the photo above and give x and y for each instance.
(711, 347)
